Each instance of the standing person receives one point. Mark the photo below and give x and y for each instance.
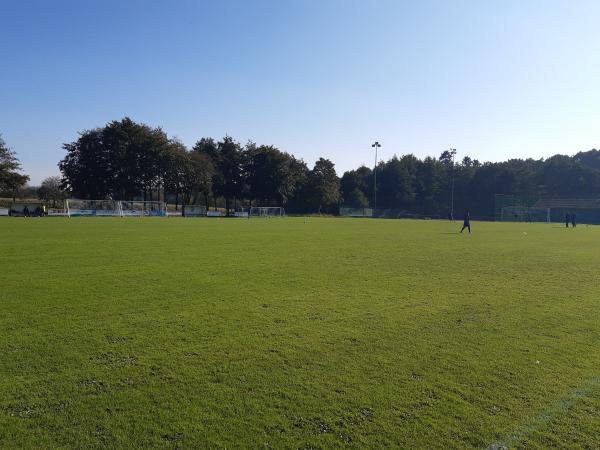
(567, 220)
(467, 222)
(573, 221)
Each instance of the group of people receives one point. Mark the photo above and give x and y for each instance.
(38, 211)
(572, 219)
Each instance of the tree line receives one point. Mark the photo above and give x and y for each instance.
(425, 185)
(126, 160)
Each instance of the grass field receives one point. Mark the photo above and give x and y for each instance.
(281, 333)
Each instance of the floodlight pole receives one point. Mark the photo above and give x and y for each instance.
(452, 152)
(376, 145)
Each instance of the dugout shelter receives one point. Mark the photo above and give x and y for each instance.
(27, 209)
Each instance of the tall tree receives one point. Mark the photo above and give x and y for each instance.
(51, 190)
(208, 147)
(175, 166)
(300, 199)
(431, 178)
(122, 160)
(356, 187)
(138, 155)
(270, 174)
(199, 177)
(396, 183)
(86, 168)
(325, 186)
(11, 180)
(228, 180)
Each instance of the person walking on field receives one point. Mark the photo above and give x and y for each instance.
(467, 222)
(567, 220)
(573, 221)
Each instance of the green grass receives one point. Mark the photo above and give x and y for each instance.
(175, 333)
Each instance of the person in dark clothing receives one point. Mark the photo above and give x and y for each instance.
(567, 220)
(573, 221)
(25, 211)
(467, 222)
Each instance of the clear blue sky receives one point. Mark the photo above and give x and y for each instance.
(495, 79)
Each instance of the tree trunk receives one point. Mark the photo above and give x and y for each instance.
(227, 206)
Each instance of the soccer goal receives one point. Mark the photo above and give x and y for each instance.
(356, 212)
(266, 211)
(143, 209)
(193, 211)
(523, 214)
(77, 207)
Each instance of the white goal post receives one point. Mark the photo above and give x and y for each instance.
(266, 211)
(75, 207)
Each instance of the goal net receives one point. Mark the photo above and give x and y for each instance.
(266, 211)
(523, 214)
(77, 207)
(547, 209)
(586, 210)
(356, 212)
(193, 211)
(143, 209)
